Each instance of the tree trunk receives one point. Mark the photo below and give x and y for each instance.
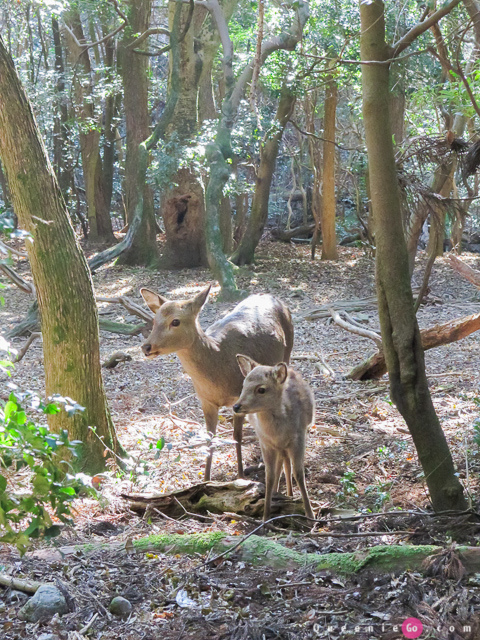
(316, 165)
(184, 220)
(61, 276)
(329, 236)
(100, 224)
(61, 129)
(400, 333)
(144, 249)
(244, 254)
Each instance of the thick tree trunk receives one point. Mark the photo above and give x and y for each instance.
(244, 254)
(184, 221)
(400, 334)
(61, 276)
(329, 236)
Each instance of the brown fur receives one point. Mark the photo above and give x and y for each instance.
(260, 326)
(282, 407)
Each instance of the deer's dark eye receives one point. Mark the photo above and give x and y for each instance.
(261, 390)
(175, 322)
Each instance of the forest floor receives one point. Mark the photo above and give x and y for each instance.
(359, 456)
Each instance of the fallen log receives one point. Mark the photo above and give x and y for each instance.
(265, 552)
(243, 497)
(440, 334)
(297, 232)
(472, 275)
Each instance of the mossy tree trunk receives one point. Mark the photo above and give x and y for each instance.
(400, 333)
(62, 280)
(245, 252)
(144, 249)
(329, 200)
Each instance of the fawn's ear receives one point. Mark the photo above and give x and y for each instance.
(279, 372)
(246, 364)
(200, 299)
(153, 300)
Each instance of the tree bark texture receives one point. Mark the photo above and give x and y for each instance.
(99, 221)
(329, 236)
(184, 220)
(245, 252)
(400, 333)
(61, 276)
(134, 67)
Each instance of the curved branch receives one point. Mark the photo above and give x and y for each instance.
(421, 27)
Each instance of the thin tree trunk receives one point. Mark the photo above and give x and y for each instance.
(61, 276)
(61, 129)
(100, 224)
(244, 254)
(329, 236)
(400, 333)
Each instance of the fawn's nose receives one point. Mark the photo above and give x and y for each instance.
(237, 407)
(147, 348)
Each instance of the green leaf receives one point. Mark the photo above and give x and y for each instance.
(3, 484)
(10, 409)
(160, 443)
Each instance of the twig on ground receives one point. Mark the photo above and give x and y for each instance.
(355, 328)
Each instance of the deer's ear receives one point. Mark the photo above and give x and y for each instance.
(279, 372)
(200, 299)
(153, 300)
(246, 364)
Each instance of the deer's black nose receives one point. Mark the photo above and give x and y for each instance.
(237, 407)
(146, 348)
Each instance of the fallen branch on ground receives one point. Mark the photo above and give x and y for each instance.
(440, 334)
(265, 552)
(245, 497)
(354, 327)
(472, 275)
(20, 584)
(297, 232)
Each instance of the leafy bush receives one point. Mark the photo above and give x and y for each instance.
(25, 444)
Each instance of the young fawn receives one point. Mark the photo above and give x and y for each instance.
(283, 408)
(260, 326)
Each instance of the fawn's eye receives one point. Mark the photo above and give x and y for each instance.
(175, 322)
(261, 390)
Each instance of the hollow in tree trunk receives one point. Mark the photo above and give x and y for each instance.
(62, 280)
(400, 333)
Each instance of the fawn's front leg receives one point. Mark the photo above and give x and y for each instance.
(237, 436)
(210, 411)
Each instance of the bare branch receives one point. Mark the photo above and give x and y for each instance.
(421, 27)
(32, 337)
(354, 328)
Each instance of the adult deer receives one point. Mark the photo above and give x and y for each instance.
(260, 327)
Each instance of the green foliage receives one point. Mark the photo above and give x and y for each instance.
(32, 455)
(348, 486)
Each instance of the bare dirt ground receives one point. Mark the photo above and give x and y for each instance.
(359, 456)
